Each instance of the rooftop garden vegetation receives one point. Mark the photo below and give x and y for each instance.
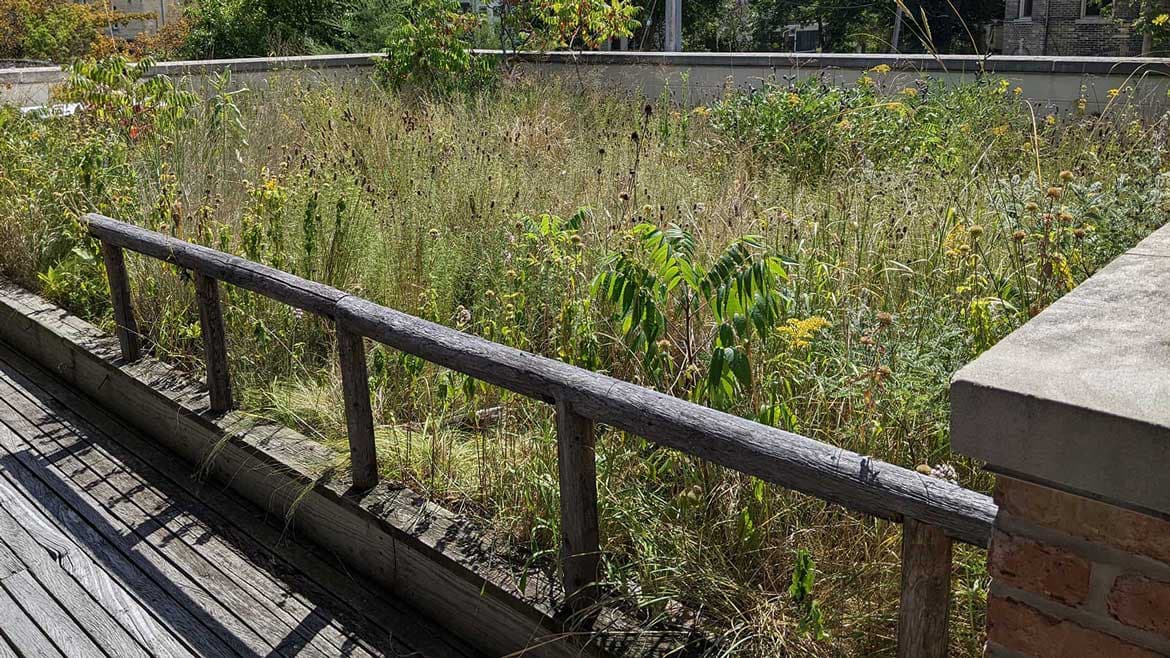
(817, 257)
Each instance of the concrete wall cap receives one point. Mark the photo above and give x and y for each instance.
(1079, 397)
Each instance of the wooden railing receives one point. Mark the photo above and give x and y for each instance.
(933, 512)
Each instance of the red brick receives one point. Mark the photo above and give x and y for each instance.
(1142, 603)
(1030, 565)
(1028, 631)
(1081, 517)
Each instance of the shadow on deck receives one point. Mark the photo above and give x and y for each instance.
(110, 546)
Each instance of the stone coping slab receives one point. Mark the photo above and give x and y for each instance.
(944, 63)
(1079, 397)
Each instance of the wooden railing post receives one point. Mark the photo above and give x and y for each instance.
(926, 591)
(359, 418)
(219, 383)
(580, 541)
(126, 328)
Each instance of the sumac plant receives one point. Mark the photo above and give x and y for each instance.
(694, 324)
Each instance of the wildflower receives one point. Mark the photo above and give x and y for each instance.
(942, 472)
(800, 332)
(1019, 236)
(885, 319)
(489, 294)
(881, 68)
(1050, 119)
(1114, 93)
(511, 274)
(1066, 175)
(1082, 103)
(1054, 192)
(1160, 19)
(975, 230)
(909, 92)
(701, 111)
(793, 99)
(1031, 206)
(663, 344)
(1018, 90)
(1000, 130)
(434, 233)
(864, 80)
(1065, 217)
(1078, 233)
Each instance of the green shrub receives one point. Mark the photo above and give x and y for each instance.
(429, 50)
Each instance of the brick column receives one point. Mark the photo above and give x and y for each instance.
(1072, 413)
(1072, 576)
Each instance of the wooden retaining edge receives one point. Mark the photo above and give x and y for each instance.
(422, 553)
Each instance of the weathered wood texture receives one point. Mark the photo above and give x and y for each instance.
(273, 283)
(580, 540)
(125, 326)
(855, 481)
(430, 559)
(219, 382)
(111, 557)
(926, 592)
(359, 418)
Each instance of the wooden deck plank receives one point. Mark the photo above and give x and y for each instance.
(97, 622)
(20, 633)
(133, 614)
(162, 519)
(361, 612)
(57, 624)
(6, 649)
(197, 578)
(49, 484)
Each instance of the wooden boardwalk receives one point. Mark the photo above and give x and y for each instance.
(110, 546)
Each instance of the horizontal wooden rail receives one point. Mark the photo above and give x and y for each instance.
(935, 511)
(860, 483)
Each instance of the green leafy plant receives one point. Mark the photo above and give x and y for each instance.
(719, 308)
(429, 50)
(804, 578)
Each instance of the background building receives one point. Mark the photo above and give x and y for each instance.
(1071, 27)
(164, 11)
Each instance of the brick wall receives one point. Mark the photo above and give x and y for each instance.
(1056, 27)
(1076, 578)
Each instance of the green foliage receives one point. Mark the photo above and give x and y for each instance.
(812, 128)
(57, 31)
(429, 50)
(804, 577)
(519, 213)
(553, 24)
(116, 94)
(257, 28)
(738, 292)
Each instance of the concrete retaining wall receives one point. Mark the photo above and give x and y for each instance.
(1049, 82)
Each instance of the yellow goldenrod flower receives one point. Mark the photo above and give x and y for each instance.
(909, 91)
(1113, 93)
(881, 68)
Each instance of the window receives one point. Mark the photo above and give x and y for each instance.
(1096, 8)
(1025, 9)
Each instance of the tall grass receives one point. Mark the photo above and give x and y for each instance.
(917, 226)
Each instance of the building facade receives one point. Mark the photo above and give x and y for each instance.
(1098, 28)
(162, 11)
